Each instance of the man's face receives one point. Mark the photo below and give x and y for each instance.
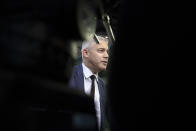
(97, 56)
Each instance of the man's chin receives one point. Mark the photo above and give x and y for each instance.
(103, 68)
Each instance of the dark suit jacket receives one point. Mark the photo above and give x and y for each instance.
(77, 82)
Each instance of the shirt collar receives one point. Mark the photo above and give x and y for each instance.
(87, 72)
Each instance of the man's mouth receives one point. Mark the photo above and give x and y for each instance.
(105, 62)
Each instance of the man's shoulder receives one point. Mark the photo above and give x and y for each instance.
(76, 77)
(76, 71)
(77, 67)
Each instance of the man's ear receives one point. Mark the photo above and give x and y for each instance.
(85, 52)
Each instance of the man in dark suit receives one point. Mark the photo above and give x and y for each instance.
(85, 75)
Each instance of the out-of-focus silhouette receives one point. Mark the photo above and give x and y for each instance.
(36, 61)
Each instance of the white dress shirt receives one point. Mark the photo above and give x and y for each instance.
(87, 87)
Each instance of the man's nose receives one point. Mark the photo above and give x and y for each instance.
(106, 55)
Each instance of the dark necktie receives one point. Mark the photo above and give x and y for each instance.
(92, 86)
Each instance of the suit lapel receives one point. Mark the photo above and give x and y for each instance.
(100, 90)
(101, 93)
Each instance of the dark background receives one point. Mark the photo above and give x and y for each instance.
(150, 67)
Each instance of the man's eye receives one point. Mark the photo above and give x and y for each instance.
(100, 50)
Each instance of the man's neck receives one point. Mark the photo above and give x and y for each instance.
(89, 67)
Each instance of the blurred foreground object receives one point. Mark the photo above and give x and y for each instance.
(36, 63)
